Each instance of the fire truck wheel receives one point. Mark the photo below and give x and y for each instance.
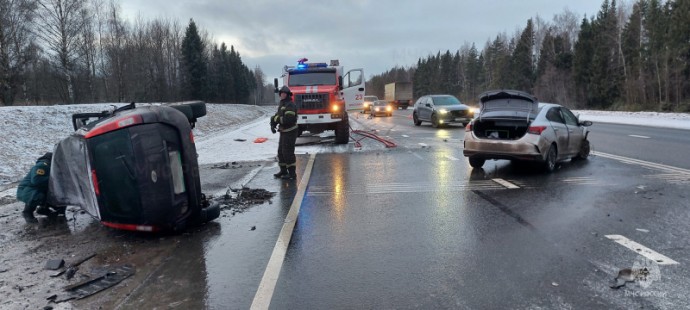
(342, 132)
(198, 109)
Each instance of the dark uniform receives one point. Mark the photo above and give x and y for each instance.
(286, 119)
(33, 189)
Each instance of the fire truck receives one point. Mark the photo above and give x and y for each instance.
(323, 94)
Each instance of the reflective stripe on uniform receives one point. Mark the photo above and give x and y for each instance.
(290, 112)
(289, 129)
(282, 164)
(292, 165)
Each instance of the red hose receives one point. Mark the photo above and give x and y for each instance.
(366, 134)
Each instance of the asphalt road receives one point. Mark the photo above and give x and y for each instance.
(416, 227)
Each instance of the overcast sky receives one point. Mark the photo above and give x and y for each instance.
(372, 34)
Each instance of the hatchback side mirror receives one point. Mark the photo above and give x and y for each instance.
(586, 123)
(428, 105)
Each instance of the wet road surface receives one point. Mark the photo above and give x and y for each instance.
(416, 227)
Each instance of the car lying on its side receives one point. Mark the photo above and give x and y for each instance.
(381, 107)
(514, 125)
(440, 110)
(368, 102)
(134, 168)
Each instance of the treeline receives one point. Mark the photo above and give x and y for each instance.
(632, 57)
(84, 51)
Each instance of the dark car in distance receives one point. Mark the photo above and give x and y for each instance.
(440, 110)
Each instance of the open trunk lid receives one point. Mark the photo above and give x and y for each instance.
(510, 104)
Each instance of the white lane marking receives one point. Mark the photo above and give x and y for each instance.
(636, 136)
(451, 157)
(405, 136)
(262, 299)
(642, 250)
(423, 145)
(643, 163)
(505, 183)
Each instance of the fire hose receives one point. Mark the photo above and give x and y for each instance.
(367, 134)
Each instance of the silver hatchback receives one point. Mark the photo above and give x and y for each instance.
(514, 125)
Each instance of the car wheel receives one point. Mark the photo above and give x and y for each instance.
(186, 110)
(434, 121)
(198, 109)
(416, 120)
(551, 159)
(584, 151)
(477, 162)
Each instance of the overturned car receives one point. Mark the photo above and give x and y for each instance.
(133, 168)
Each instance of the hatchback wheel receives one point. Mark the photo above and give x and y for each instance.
(551, 157)
(477, 162)
(416, 120)
(434, 121)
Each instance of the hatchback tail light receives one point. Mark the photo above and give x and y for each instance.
(468, 127)
(536, 130)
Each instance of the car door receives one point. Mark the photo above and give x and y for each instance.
(560, 129)
(574, 130)
(419, 107)
(427, 107)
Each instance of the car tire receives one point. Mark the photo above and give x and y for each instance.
(416, 120)
(585, 149)
(434, 121)
(186, 110)
(551, 159)
(476, 162)
(198, 109)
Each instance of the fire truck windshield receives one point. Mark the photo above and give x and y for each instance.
(311, 78)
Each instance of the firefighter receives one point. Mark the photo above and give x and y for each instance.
(286, 121)
(33, 189)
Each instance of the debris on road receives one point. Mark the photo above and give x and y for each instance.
(240, 199)
(554, 284)
(624, 276)
(253, 228)
(260, 140)
(92, 286)
(642, 230)
(54, 264)
(240, 140)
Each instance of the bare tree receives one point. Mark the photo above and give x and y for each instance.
(15, 45)
(59, 26)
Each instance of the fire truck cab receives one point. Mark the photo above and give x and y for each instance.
(323, 95)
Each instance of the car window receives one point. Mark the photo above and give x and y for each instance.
(570, 118)
(421, 101)
(554, 115)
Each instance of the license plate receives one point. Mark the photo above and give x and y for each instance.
(459, 119)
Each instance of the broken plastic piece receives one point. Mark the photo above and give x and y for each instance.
(54, 264)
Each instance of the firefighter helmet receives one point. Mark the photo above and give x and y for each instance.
(286, 90)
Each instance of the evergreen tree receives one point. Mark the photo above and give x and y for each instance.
(194, 73)
(522, 60)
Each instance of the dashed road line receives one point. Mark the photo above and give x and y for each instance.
(636, 136)
(405, 136)
(642, 250)
(505, 183)
(262, 299)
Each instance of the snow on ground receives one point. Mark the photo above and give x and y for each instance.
(653, 119)
(31, 131)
